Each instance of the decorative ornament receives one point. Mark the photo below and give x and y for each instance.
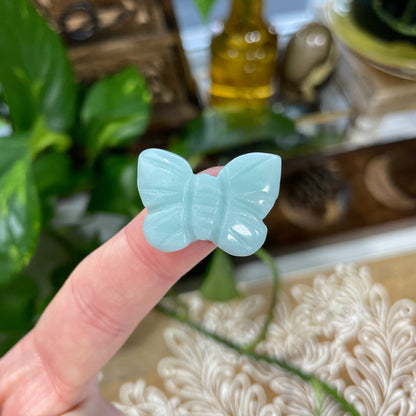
(227, 209)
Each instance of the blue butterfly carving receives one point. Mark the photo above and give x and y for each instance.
(227, 210)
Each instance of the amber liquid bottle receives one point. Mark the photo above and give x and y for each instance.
(243, 58)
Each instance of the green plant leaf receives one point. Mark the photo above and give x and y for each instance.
(19, 206)
(220, 129)
(204, 8)
(53, 174)
(17, 304)
(319, 396)
(116, 110)
(54, 178)
(404, 24)
(34, 69)
(8, 339)
(76, 245)
(116, 187)
(219, 283)
(42, 138)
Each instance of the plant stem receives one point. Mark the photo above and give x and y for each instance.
(268, 259)
(307, 377)
(182, 309)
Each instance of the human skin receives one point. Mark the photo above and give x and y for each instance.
(53, 370)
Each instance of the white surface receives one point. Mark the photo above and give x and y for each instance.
(342, 327)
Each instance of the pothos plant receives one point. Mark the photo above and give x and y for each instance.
(64, 138)
(59, 135)
(58, 142)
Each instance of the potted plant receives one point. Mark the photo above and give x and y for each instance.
(58, 140)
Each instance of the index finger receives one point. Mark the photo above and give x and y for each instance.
(104, 299)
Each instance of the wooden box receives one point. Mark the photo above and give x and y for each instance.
(105, 36)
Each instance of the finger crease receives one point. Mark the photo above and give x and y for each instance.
(62, 389)
(95, 317)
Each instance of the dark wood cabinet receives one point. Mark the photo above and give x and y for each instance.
(328, 194)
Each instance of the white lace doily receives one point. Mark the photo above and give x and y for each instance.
(343, 328)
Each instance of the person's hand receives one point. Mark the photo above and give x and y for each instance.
(53, 369)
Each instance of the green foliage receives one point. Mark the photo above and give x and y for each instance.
(17, 310)
(38, 95)
(54, 175)
(42, 138)
(115, 189)
(61, 145)
(54, 178)
(8, 339)
(219, 282)
(35, 73)
(204, 7)
(19, 206)
(319, 396)
(17, 303)
(115, 111)
(223, 129)
(405, 24)
(76, 246)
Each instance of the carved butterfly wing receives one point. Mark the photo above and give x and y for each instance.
(161, 179)
(251, 183)
(244, 237)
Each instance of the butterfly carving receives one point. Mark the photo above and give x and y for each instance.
(227, 209)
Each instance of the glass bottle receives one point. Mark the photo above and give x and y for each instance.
(243, 58)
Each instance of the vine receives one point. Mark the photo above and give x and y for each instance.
(319, 386)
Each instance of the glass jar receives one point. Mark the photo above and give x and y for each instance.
(243, 58)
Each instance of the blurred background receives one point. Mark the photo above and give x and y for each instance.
(87, 85)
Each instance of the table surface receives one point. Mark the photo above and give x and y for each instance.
(140, 357)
